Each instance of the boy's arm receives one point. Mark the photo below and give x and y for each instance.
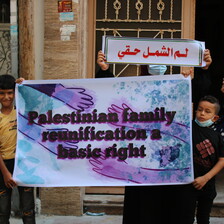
(200, 182)
(9, 182)
(19, 80)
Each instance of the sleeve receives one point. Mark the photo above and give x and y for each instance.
(201, 84)
(104, 74)
(221, 147)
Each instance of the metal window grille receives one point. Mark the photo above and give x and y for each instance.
(137, 18)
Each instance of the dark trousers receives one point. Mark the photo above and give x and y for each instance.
(26, 200)
(196, 201)
(151, 205)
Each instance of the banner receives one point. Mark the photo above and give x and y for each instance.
(104, 132)
(133, 50)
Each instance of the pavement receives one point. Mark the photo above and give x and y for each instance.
(101, 218)
(87, 219)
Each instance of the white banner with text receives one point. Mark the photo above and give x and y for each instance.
(104, 132)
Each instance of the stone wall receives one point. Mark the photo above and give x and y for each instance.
(62, 201)
(63, 52)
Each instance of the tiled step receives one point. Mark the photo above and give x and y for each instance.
(109, 204)
(113, 205)
(217, 210)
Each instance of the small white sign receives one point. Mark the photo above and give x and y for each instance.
(66, 31)
(130, 50)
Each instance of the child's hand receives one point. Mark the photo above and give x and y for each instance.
(9, 182)
(200, 182)
(207, 59)
(19, 80)
(186, 73)
(101, 61)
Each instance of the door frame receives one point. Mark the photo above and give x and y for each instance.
(188, 32)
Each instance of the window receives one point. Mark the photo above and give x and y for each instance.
(5, 11)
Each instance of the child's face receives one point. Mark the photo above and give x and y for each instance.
(206, 111)
(7, 97)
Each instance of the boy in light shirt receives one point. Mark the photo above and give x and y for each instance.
(8, 135)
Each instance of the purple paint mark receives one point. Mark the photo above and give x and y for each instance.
(76, 98)
(121, 170)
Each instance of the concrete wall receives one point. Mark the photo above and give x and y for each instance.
(62, 201)
(63, 49)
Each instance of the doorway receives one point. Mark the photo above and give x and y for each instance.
(140, 19)
(209, 28)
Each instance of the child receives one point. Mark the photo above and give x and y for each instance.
(8, 133)
(208, 159)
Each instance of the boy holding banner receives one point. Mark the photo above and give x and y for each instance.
(8, 134)
(208, 159)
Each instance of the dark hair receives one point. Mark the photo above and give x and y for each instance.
(213, 100)
(7, 82)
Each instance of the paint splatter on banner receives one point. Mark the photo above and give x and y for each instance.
(104, 132)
